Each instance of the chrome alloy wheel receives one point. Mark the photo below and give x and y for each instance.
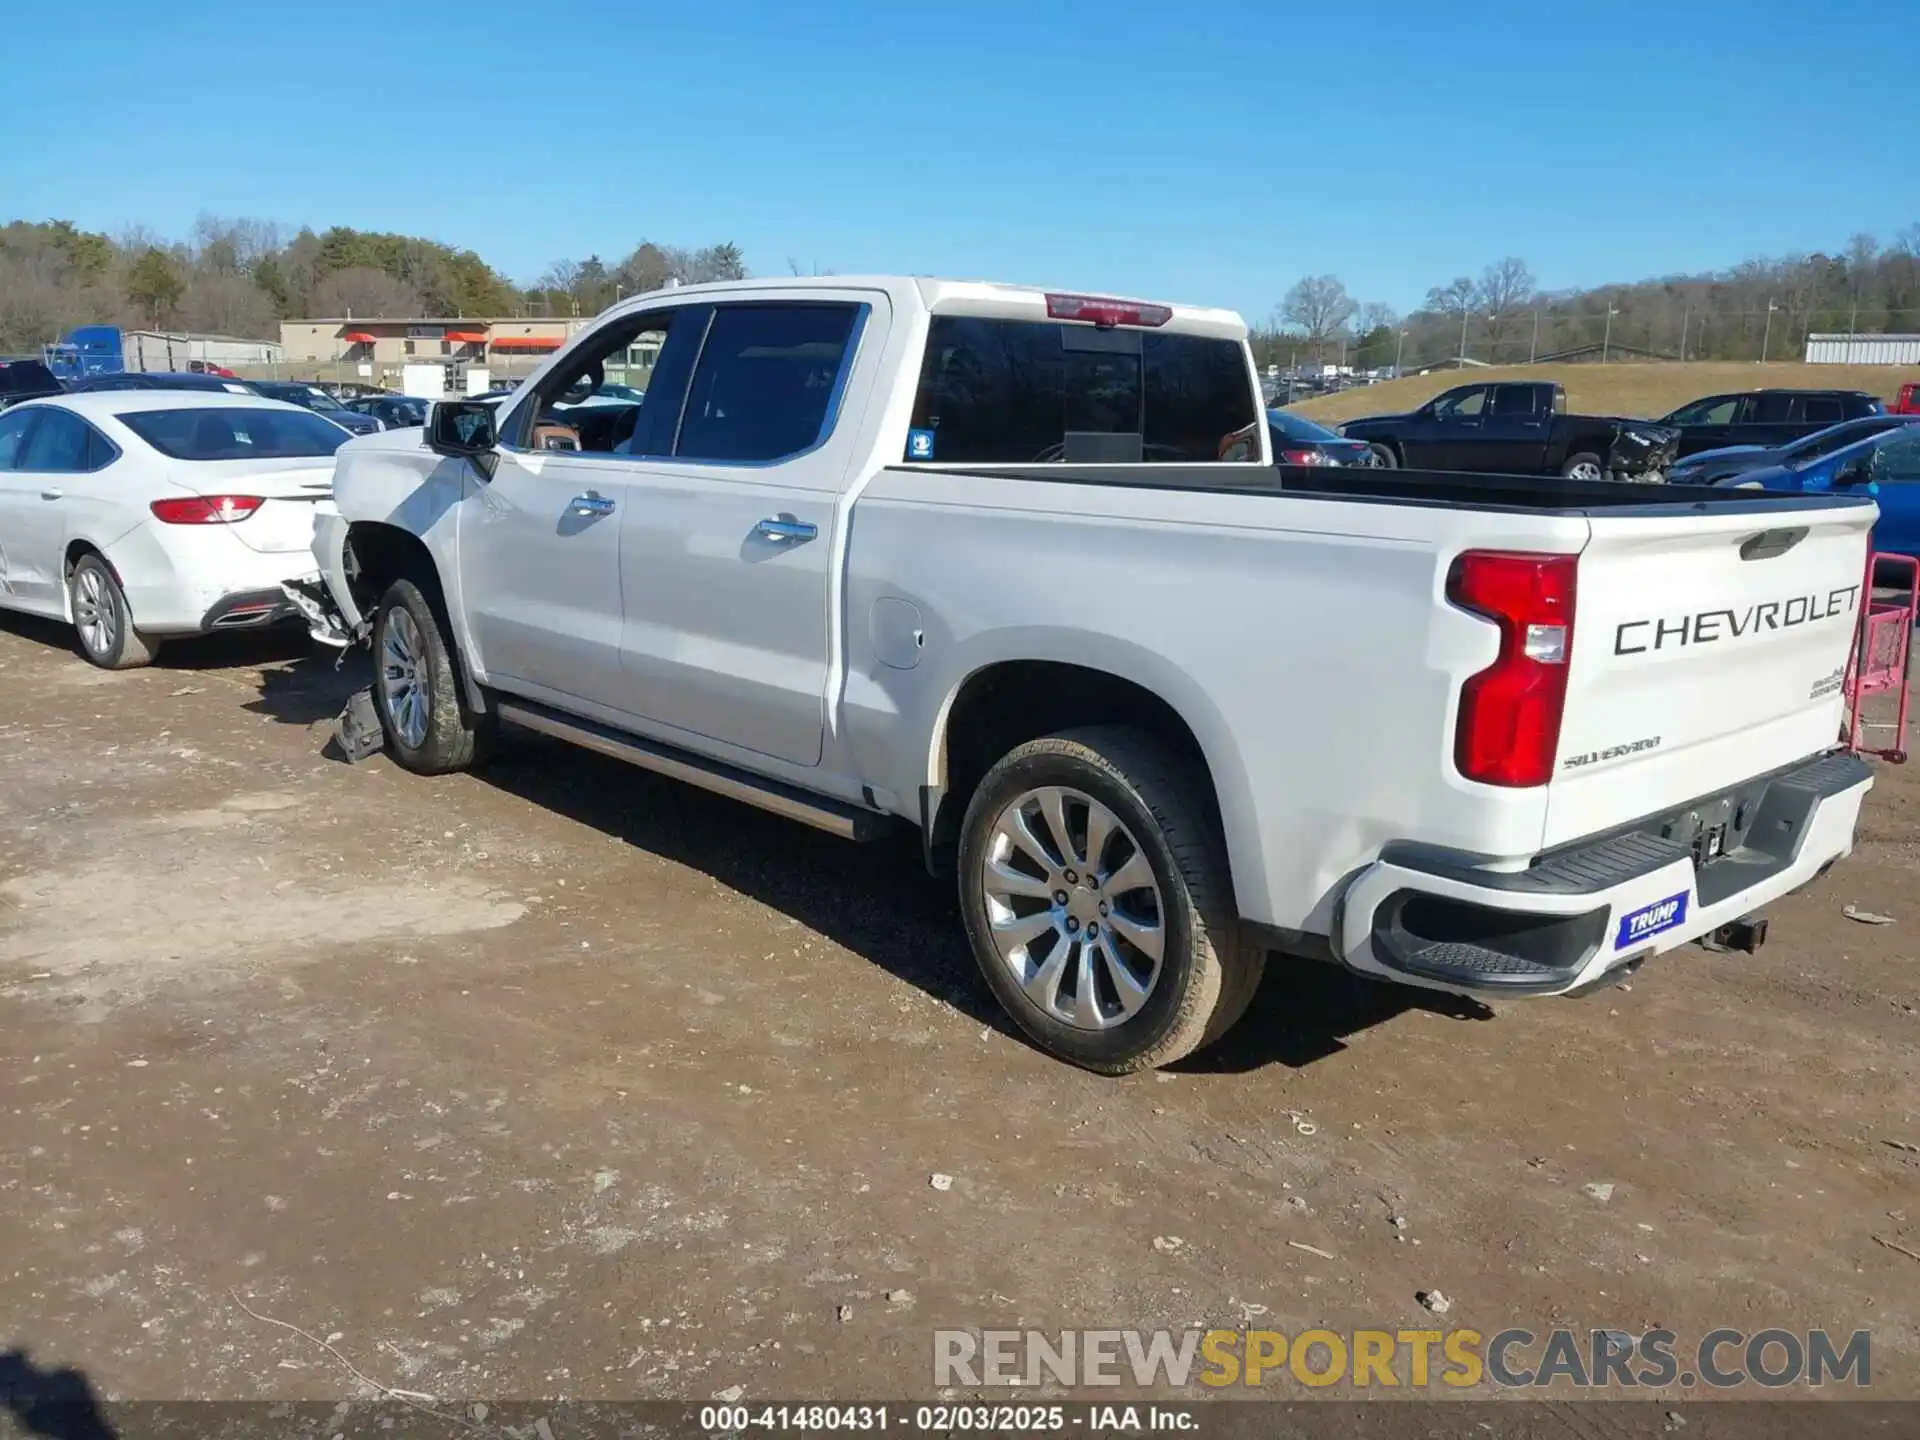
(1586, 470)
(403, 681)
(1074, 910)
(94, 614)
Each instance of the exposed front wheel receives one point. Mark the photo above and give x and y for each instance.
(1382, 457)
(1095, 892)
(429, 728)
(1584, 466)
(102, 619)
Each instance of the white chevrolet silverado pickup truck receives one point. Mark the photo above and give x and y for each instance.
(1015, 569)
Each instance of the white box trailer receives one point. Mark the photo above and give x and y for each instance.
(178, 350)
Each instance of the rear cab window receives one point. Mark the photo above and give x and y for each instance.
(1004, 391)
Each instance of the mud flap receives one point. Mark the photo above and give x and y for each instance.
(357, 734)
(324, 620)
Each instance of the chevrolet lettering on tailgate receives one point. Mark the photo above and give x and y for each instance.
(1636, 637)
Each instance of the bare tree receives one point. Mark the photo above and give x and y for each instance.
(1318, 307)
(363, 291)
(1454, 299)
(1502, 296)
(226, 304)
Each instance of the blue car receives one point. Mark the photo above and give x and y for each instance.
(1889, 463)
(1710, 467)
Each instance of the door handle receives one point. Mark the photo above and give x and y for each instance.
(785, 527)
(590, 505)
(52, 494)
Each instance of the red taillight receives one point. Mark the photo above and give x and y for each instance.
(205, 509)
(1303, 457)
(1509, 727)
(1104, 312)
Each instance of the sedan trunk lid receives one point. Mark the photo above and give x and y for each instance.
(290, 491)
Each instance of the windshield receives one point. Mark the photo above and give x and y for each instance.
(235, 432)
(1298, 427)
(319, 399)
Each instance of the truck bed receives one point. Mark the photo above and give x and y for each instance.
(1450, 489)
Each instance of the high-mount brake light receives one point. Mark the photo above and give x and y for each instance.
(1508, 730)
(1104, 312)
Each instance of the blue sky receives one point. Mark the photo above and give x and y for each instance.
(1208, 152)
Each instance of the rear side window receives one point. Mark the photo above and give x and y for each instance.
(766, 382)
(236, 432)
(1898, 456)
(60, 442)
(1823, 410)
(1516, 401)
(1016, 392)
(1771, 408)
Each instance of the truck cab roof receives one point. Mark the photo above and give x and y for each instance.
(930, 295)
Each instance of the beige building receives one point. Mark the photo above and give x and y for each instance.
(495, 341)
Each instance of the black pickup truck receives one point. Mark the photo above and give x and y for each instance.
(1517, 428)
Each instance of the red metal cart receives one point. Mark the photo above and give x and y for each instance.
(1882, 654)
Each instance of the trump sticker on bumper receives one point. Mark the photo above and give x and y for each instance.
(1650, 920)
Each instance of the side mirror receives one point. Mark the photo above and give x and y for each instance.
(461, 429)
(1857, 471)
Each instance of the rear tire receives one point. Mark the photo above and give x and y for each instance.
(1384, 457)
(417, 693)
(1157, 882)
(102, 619)
(1583, 466)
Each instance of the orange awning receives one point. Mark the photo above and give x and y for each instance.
(526, 342)
(358, 337)
(467, 337)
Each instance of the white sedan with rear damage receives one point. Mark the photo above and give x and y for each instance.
(138, 516)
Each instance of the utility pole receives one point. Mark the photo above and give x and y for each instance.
(1465, 312)
(1686, 319)
(1606, 341)
(1766, 336)
(1533, 352)
(1398, 351)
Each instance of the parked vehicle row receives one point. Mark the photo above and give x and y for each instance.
(1522, 428)
(361, 416)
(1016, 570)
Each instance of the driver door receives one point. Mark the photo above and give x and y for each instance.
(1448, 436)
(540, 540)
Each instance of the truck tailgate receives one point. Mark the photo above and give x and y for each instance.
(1708, 648)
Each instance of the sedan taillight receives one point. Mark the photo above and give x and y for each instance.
(206, 509)
(1303, 457)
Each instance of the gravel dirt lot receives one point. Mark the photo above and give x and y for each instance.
(562, 1080)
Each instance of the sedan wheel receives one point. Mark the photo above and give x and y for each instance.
(94, 614)
(102, 619)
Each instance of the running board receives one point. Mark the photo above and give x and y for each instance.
(846, 821)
